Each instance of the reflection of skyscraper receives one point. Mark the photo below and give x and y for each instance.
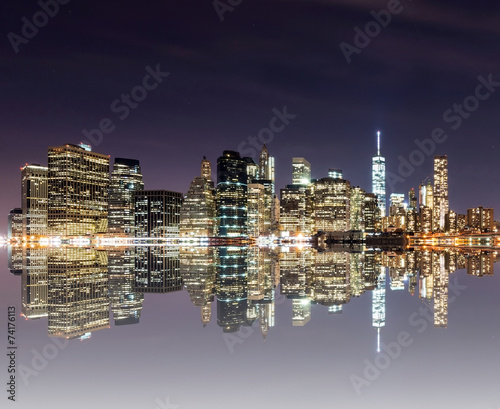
(15, 259)
(157, 269)
(126, 303)
(441, 281)
(232, 288)
(301, 312)
(34, 199)
(330, 282)
(378, 305)
(197, 268)
(78, 291)
(441, 202)
(126, 179)
(378, 178)
(34, 280)
(231, 195)
(78, 191)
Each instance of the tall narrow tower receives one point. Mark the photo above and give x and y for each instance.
(441, 202)
(378, 178)
(206, 169)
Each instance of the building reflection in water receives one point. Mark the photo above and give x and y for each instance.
(126, 302)
(76, 288)
(34, 283)
(78, 299)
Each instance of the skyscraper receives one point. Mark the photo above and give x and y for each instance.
(331, 198)
(295, 210)
(206, 169)
(266, 166)
(157, 213)
(356, 208)
(34, 198)
(198, 209)
(231, 195)
(335, 173)
(378, 178)
(15, 223)
(126, 179)
(301, 170)
(78, 191)
(441, 202)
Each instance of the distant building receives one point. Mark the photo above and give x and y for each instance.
(412, 200)
(157, 213)
(78, 191)
(335, 173)
(301, 170)
(34, 199)
(371, 213)
(231, 195)
(126, 179)
(15, 223)
(357, 203)
(266, 167)
(331, 198)
(481, 219)
(295, 210)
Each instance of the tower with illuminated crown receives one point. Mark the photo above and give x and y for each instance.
(378, 178)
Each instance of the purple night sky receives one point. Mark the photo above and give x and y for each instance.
(227, 76)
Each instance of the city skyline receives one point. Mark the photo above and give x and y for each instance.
(227, 81)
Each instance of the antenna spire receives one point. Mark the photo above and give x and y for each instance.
(378, 143)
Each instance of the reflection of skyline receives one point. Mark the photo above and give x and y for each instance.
(76, 288)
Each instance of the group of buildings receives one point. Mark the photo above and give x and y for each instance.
(76, 194)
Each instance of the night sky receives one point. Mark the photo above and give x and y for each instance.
(226, 77)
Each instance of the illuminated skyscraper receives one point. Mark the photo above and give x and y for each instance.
(301, 170)
(15, 223)
(412, 200)
(397, 204)
(34, 199)
(206, 169)
(256, 210)
(78, 191)
(371, 212)
(481, 219)
(441, 202)
(356, 208)
(378, 178)
(126, 179)
(157, 213)
(335, 173)
(295, 210)
(266, 167)
(331, 198)
(197, 217)
(231, 195)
